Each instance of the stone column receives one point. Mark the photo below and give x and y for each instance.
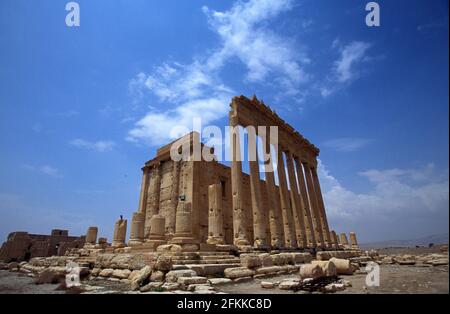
(353, 241)
(288, 223)
(144, 190)
(215, 215)
(157, 230)
(314, 205)
(334, 240)
(322, 213)
(91, 235)
(183, 229)
(153, 198)
(275, 218)
(239, 233)
(259, 226)
(171, 214)
(295, 201)
(120, 232)
(137, 229)
(344, 241)
(309, 225)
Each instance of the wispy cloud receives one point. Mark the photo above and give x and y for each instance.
(396, 196)
(432, 25)
(197, 90)
(347, 144)
(346, 68)
(43, 169)
(98, 146)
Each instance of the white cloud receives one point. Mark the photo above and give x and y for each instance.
(347, 144)
(196, 90)
(397, 197)
(44, 169)
(99, 146)
(346, 68)
(351, 54)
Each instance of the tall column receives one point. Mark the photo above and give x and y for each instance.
(144, 190)
(323, 214)
(334, 240)
(183, 229)
(275, 218)
(309, 225)
(153, 198)
(215, 215)
(120, 232)
(239, 234)
(295, 202)
(259, 226)
(288, 224)
(171, 213)
(314, 205)
(91, 236)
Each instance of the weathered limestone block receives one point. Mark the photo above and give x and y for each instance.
(157, 275)
(328, 267)
(267, 285)
(302, 258)
(279, 259)
(250, 260)
(173, 275)
(137, 229)
(238, 272)
(169, 248)
(266, 259)
(215, 215)
(288, 257)
(140, 277)
(343, 266)
(121, 273)
(170, 286)
(219, 281)
(151, 286)
(289, 284)
(107, 272)
(405, 260)
(192, 280)
(311, 271)
(120, 232)
(164, 263)
(268, 270)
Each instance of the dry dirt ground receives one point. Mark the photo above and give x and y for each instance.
(393, 279)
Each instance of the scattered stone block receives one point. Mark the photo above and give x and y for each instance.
(238, 272)
(267, 285)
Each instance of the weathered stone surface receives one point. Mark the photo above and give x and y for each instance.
(152, 286)
(267, 285)
(266, 259)
(157, 275)
(219, 281)
(238, 272)
(405, 260)
(250, 260)
(172, 276)
(343, 266)
(164, 263)
(302, 258)
(268, 270)
(328, 267)
(107, 272)
(169, 248)
(121, 273)
(289, 284)
(50, 275)
(140, 277)
(311, 271)
(170, 286)
(192, 280)
(279, 259)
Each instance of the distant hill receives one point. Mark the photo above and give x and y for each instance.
(425, 241)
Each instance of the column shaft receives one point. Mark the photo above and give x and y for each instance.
(295, 202)
(153, 198)
(239, 232)
(309, 225)
(323, 215)
(144, 190)
(314, 205)
(288, 224)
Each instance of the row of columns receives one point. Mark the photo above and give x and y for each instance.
(297, 217)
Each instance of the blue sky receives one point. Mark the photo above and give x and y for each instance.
(82, 108)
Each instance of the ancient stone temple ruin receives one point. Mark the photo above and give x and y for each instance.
(204, 205)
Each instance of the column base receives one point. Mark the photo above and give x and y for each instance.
(215, 240)
(117, 244)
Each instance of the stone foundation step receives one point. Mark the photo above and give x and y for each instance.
(208, 269)
(220, 261)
